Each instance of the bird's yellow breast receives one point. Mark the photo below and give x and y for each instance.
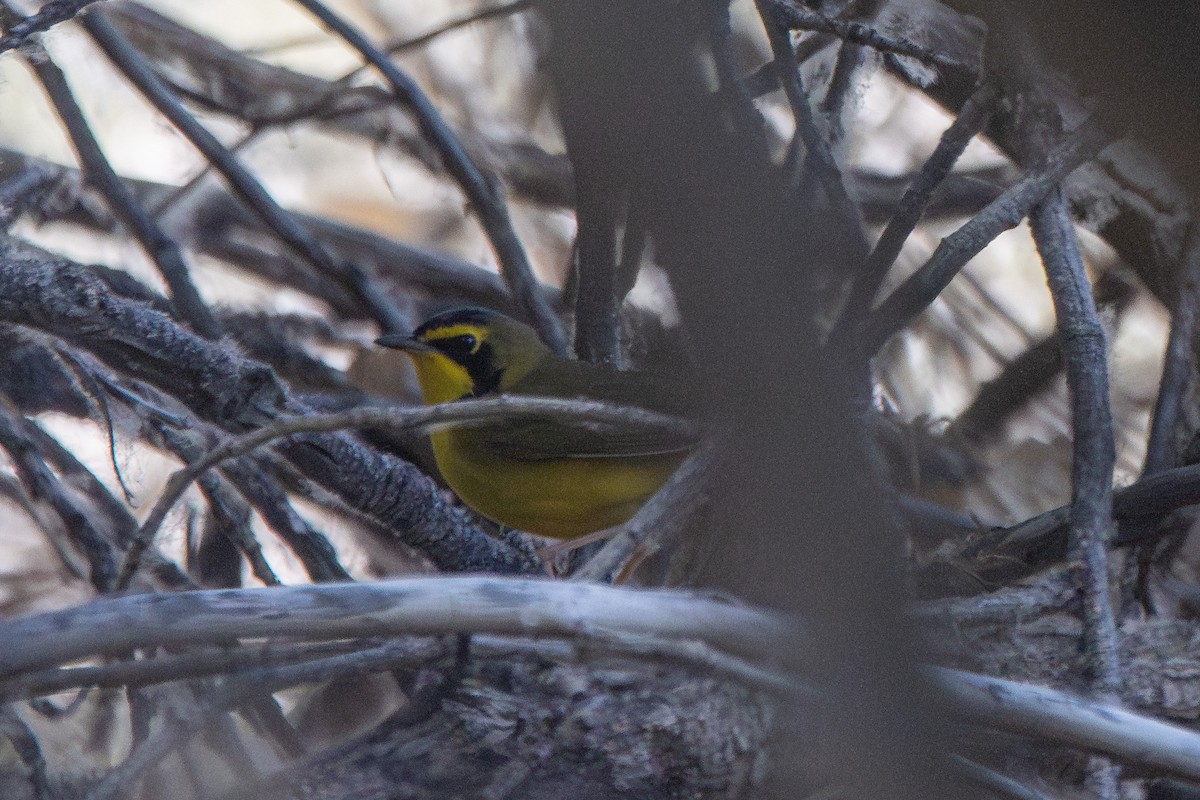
(563, 498)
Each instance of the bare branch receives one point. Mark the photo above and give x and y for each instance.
(165, 253)
(50, 14)
(249, 190)
(818, 153)
(922, 288)
(969, 121)
(1049, 714)
(1178, 367)
(659, 523)
(410, 606)
(796, 16)
(485, 195)
(1094, 452)
(246, 688)
(41, 483)
(486, 13)
(1086, 354)
(993, 781)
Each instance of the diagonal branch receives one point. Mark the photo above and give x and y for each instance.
(1056, 716)
(1005, 212)
(819, 155)
(358, 283)
(485, 195)
(793, 15)
(163, 250)
(970, 120)
(1177, 371)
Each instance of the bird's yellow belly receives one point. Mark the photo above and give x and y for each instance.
(562, 498)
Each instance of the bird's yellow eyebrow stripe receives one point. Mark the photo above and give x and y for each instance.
(450, 331)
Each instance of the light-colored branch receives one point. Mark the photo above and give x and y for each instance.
(657, 624)
(411, 606)
(1056, 716)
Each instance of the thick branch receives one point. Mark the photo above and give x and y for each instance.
(236, 393)
(411, 606)
(1086, 354)
(1059, 717)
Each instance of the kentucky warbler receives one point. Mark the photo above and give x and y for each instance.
(544, 477)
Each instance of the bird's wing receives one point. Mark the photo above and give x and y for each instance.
(531, 439)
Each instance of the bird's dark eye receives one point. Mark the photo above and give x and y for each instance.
(457, 346)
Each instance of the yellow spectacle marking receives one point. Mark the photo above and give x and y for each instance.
(450, 331)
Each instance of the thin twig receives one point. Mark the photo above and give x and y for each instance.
(228, 660)
(25, 743)
(970, 120)
(491, 12)
(850, 59)
(1005, 553)
(819, 155)
(923, 287)
(1161, 446)
(41, 483)
(460, 412)
(841, 83)
(316, 553)
(485, 195)
(248, 189)
(795, 16)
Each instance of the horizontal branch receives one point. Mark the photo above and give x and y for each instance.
(410, 606)
(794, 15)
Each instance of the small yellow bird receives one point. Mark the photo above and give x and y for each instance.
(540, 476)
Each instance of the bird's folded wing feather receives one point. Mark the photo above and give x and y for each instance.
(534, 439)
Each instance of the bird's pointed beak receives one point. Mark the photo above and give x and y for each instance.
(400, 341)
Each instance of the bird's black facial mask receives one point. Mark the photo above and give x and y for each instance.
(470, 349)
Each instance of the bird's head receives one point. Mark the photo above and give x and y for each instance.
(469, 352)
